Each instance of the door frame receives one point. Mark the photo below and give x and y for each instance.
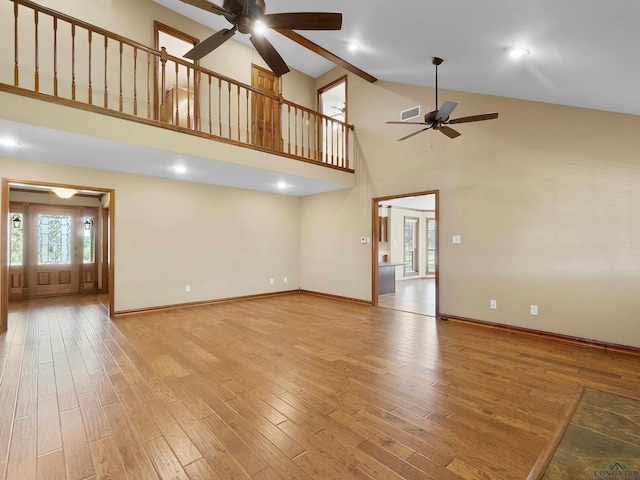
(5, 225)
(375, 225)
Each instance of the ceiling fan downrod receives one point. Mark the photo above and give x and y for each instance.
(437, 61)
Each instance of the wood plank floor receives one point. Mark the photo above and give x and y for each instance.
(416, 296)
(290, 387)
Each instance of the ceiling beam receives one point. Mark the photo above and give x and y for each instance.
(314, 47)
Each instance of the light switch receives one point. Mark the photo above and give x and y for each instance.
(456, 239)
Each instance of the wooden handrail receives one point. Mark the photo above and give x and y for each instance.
(199, 100)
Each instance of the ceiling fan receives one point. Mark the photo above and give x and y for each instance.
(247, 15)
(439, 118)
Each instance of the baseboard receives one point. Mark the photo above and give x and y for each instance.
(337, 297)
(203, 302)
(612, 347)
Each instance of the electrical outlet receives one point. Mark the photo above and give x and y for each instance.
(534, 309)
(363, 240)
(271, 281)
(187, 288)
(493, 304)
(286, 279)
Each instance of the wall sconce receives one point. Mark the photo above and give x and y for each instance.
(88, 223)
(17, 221)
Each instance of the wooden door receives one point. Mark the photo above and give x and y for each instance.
(265, 110)
(55, 251)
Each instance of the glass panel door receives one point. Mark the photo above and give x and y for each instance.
(411, 246)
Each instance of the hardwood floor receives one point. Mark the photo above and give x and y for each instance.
(415, 296)
(295, 386)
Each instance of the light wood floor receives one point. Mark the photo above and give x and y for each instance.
(295, 386)
(415, 296)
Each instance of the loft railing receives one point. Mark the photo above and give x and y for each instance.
(71, 61)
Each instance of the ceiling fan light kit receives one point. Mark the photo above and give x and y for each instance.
(439, 118)
(248, 17)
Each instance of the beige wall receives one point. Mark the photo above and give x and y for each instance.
(546, 199)
(223, 242)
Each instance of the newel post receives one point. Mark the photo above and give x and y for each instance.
(164, 117)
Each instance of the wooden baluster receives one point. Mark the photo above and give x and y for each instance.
(121, 97)
(188, 97)
(73, 61)
(164, 115)
(16, 71)
(220, 106)
(295, 134)
(229, 109)
(106, 89)
(209, 102)
(239, 121)
(175, 96)
(149, 85)
(55, 56)
(289, 128)
(90, 93)
(247, 117)
(135, 81)
(265, 112)
(36, 79)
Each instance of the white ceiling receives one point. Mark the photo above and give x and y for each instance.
(582, 51)
(420, 202)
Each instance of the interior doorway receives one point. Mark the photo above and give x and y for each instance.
(405, 253)
(179, 90)
(56, 240)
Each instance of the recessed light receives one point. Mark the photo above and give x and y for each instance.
(518, 52)
(180, 169)
(8, 142)
(354, 47)
(282, 185)
(259, 27)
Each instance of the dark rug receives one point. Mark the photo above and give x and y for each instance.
(602, 440)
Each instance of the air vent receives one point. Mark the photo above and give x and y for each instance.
(410, 113)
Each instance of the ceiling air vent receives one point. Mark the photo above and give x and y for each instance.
(410, 113)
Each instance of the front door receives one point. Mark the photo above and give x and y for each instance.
(265, 110)
(55, 249)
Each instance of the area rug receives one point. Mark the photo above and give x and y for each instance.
(602, 440)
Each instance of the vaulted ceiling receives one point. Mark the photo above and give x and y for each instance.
(583, 52)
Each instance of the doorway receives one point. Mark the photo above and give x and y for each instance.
(56, 240)
(405, 253)
(332, 136)
(265, 109)
(178, 92)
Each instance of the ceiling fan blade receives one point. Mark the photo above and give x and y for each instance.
(269, 55)
(323, 52)
(304, 21)
(449, 132)
(413, 134)
(209, 7)
(247, 6)
(210, 44)
(445, 111)
(406, 123)
(474, 118)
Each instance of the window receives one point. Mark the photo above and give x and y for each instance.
(88, 243)
(410, 246)
(17, 245)
(431, 245)
(54, 239)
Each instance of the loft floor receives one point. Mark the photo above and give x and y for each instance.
(293, 386)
